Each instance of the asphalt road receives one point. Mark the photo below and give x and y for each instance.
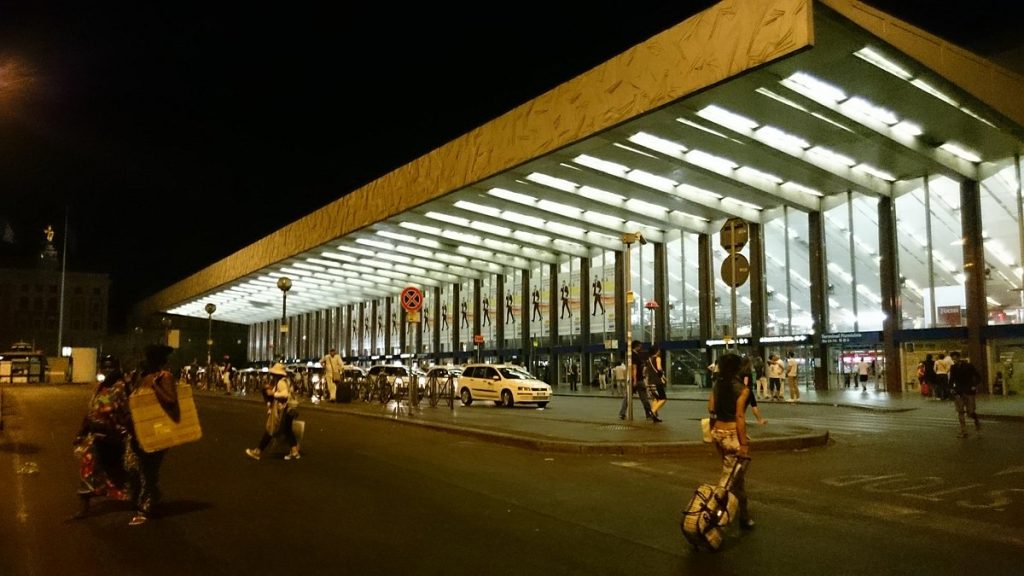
(891, 494)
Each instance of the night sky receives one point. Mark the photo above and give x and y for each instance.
(174, 134)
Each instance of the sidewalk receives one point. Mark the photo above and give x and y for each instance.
(587, 421)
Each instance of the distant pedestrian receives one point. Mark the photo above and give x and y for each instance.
(655, 374)
(963, 383)
(279, 419)
(749, 371)
(573, 374)
(636, 384)
(333, 369)
(792, 369)
(760, 378)
(225, 375)
(619, 376)
(928, 388)
(775, 372)
(602, 379)
(863, 369)
(942, 366)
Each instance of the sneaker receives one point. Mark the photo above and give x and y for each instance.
(294, 456)
(747, 524)
(962, 435)
(251, 453)
(138, 520)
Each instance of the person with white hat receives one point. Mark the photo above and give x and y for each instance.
(279, 417)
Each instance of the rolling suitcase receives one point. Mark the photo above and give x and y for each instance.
(710, 510)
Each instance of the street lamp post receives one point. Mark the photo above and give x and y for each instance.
(628, 239)
(210, 309)
(285, 284)
(166, 323)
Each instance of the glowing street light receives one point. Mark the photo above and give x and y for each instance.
(628, 239)
(285, 284)
(210, 309)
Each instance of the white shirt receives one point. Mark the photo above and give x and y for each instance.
(775, 369)
(332, 366)
(862, 368)
(791, 363)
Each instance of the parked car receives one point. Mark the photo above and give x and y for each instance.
(395, 378)
(505, 384)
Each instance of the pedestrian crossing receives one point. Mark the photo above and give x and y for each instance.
(870, 422)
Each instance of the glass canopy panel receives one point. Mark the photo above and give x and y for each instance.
(866, 258)
(775, 275)
(799, 271)
(683, 294)
(912, 253)
(1001, 228)
(947, 305)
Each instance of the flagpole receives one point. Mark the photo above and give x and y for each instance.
(63, 269)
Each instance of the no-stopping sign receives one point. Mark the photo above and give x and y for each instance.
(412, 299)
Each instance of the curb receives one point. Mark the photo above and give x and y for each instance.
(796, 442)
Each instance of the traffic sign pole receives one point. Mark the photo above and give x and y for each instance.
(733, 238)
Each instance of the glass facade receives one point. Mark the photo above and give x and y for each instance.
(683, 287)
(931, 285)
(1004, 245)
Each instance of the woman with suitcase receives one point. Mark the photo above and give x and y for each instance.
(727, 407)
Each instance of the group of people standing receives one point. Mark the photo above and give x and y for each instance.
(112, 464)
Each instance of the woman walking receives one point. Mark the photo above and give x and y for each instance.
(727, 407)
(101, 441)
(279, 417)
(656, 378)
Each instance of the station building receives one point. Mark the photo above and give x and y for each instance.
(778, 176)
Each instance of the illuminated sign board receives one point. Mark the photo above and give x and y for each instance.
(793, 339)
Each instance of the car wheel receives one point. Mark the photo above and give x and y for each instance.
(466, 397)
(506, 398)
(541, 404)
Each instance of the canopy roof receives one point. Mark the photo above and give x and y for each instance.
(744, 109)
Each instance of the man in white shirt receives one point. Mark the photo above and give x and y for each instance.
(619, 376)
(775, 374)
(863, 369)
(791, 371)
(333, 369)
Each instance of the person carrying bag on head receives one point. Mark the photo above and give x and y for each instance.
(281, 413)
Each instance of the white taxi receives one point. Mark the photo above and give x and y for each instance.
(505, 384)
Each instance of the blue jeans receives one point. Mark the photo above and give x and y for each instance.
(641, 391)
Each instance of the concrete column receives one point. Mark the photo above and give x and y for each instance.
(819, 294)
(975, 269)
(892, 305)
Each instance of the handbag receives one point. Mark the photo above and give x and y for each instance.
(705, 430)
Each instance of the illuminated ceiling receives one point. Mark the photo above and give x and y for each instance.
(850, 114)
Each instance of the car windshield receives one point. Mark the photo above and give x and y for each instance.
(395, 371)
(515, 374)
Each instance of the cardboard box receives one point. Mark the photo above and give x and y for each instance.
(154, 429)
